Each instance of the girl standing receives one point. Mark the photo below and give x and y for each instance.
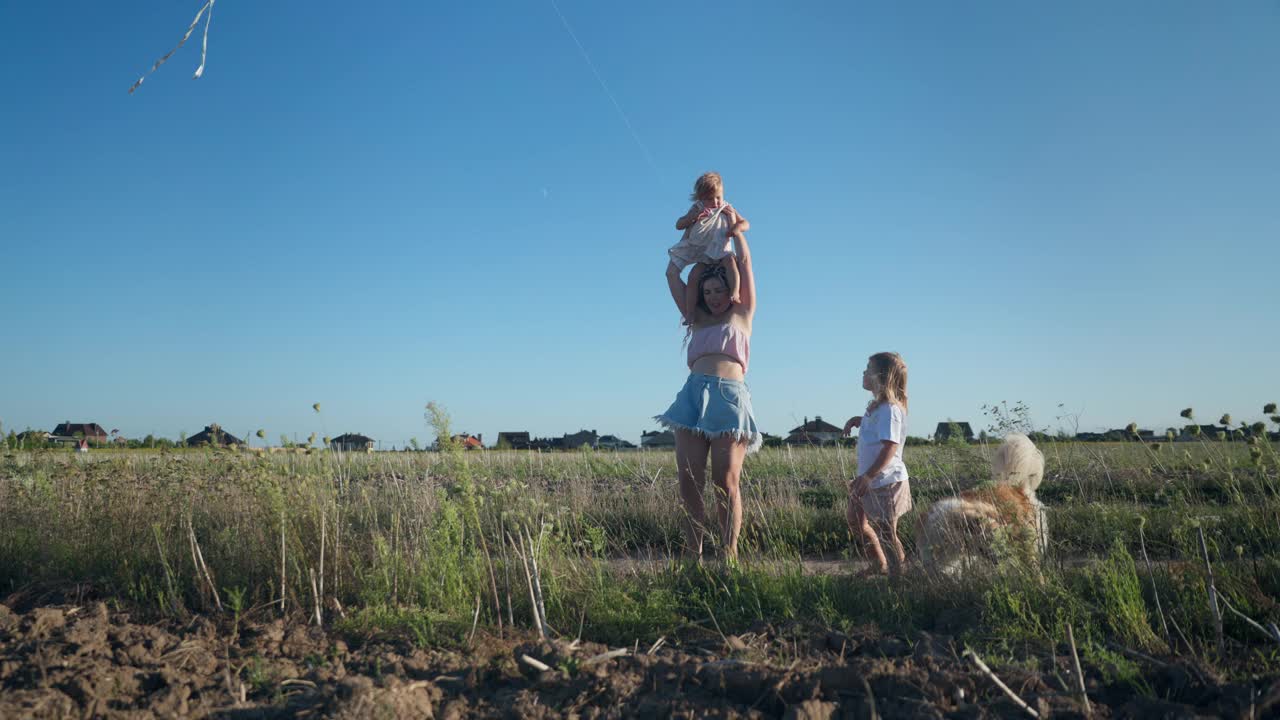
(881, 494)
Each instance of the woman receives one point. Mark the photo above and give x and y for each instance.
(712, 412)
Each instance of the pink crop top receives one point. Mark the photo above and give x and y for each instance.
(723, 339)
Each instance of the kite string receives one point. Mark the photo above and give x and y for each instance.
(207, 6)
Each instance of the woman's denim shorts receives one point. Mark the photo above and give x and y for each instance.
(714, 407)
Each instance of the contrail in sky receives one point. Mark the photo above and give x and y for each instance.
(605, 86)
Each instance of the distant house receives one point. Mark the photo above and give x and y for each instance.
(611, 442)
(466, 441)
(213, 435)
(1202, 432)
(1258, 430)
(944, 430)
(352, 442)
(657, 439)
(814, 432)
(1123, 434)
(546, 444)
(514, 440)
(1115, 435)
(92, 432)
(34, 436)
(582, 438)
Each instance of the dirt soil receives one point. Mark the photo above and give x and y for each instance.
(84, 660)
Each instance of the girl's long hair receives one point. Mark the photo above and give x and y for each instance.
(890, 373)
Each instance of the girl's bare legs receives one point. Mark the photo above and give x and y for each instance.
(861, 528)
(897, 556)
(691, 465)
(726, 470)
(730, 265)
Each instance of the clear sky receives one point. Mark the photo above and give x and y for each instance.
(374, 205)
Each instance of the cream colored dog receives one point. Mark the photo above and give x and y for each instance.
(992, 524)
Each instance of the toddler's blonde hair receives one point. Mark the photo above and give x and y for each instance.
(708, 183)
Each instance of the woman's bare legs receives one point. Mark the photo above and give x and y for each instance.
(726, 470)
(691, 464)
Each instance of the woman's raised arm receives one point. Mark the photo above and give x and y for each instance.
(747, 283)
(676, 285)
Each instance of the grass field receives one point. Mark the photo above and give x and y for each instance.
(413, 543)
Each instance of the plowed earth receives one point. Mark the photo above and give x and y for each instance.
(84, 660)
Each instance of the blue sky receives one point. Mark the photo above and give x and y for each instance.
(374, 205)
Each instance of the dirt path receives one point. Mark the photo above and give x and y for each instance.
(645, 563)
(833, 564)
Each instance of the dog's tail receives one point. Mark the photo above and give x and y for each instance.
(956, 528)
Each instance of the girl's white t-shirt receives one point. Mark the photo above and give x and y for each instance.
(886, 422)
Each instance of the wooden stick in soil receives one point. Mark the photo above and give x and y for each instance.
(195, 543)
(506, 573)
(283, 599)
(493, 586)
(1138, 655)
(1155, 589)
(1272, 633)
(728, 646)
(315, 595)
(395, 559)
(537, 582)
(226, 671)
(605, 656)
(871, 699)
(1213, 592)
(1075, 663)
(969, 653)
(535, 664)
(320, 598)
(1190, 648)
(493, 578)
(337, 552)
(533, 599)
(474, 622)
(191, 545)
